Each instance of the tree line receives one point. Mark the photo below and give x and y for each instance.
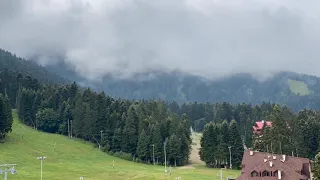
(133, 130)
(296, 134)
(244, 114)
(5, 117)
(219, 143)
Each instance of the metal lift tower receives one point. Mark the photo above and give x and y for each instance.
(5, 168)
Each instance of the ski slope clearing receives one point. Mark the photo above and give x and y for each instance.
(73, 158)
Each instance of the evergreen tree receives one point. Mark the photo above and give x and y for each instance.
(78, 115)
(130, 131)
(209, 144)
(88, 119)
(173, 149)
(47, 120)
(143, 146)
(157, 142)
(117, 140)
(5, 116)
(101, 114)
(281, 133)
(316, 168)
(236, 145)
(223, 139)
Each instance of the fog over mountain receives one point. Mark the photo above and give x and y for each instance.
(210, 38)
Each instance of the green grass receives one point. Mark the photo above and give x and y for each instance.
(299, 87)
(73, 158)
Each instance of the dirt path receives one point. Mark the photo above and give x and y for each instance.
(194, 156)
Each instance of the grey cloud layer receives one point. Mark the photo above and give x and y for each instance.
(211, 38)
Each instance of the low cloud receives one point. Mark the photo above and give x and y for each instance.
(210, 38)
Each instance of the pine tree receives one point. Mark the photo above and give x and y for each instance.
(3, 120)
(209, 144)
(7, 114)
(236, 145)
(117, 140)
(78, 115)
(88, 119)
(222, 145)
(303, 133)
(47, 120)
(316, 169)
(173, 149)
(143, 146)
(185, 143)
(281, 133)
(101, 111)
(130, 132)
(157, 142)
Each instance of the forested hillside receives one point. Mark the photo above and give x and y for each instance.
(290, 134)
(15, 64)
(29, 89)
(129, 129)
(287, 88)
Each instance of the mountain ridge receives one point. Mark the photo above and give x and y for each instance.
(283, 88)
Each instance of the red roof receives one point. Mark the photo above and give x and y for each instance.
(259, 125)
(291, 168)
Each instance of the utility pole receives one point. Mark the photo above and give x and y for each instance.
(230, 156)
(220, 175)
(100, 137)
(41, 158)
(36, 121)
(153, 154)
(33, 122)
(68, 128)
(5, 168)
(165, 156)
(96, 141)
(71, 127)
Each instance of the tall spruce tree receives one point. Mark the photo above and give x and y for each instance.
(173, 149)
(281, 133)
(78, 115)
(130, 131)
(157, 142)
(5, 116)
(47, 120)
(143, 146)
(223, 140)
(88, 131)
(236, 145)
(209, 144)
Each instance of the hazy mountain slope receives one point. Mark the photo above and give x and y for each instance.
(16, 64)
(295, 90)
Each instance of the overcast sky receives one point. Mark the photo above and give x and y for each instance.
(211, 38)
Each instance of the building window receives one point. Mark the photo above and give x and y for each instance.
(254, 173)
(265, 173)
(275, 173)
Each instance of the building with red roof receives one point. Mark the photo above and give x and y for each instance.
(259, 125)
(266, 166)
